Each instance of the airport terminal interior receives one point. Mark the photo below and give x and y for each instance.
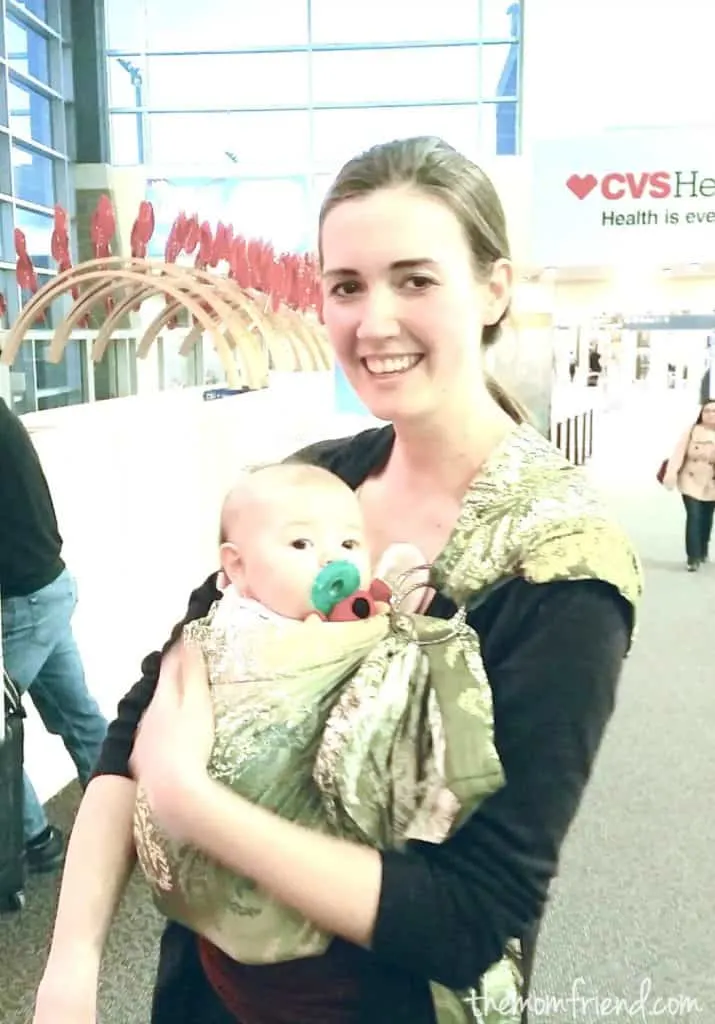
(202, 139)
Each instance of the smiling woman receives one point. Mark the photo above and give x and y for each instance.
(538, 586)
(448, 267)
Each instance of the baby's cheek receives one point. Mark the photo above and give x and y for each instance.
(302, 582)
(363, 565)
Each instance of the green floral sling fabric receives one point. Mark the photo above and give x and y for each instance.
(382, 731)
(378, 731)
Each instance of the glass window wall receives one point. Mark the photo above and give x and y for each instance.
(33, 178)
(34, 175)
(30, 113)
(335, 22)
(244, 111)
(63, 383)
(261, 83)
(40, 8)
(419, 75)
(27, 50)
(115, 375)
(248, 142)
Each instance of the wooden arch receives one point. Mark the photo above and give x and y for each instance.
(246, 332)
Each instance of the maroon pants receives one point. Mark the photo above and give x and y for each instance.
(313, 990)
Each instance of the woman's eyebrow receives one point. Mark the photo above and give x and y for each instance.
(411, 264)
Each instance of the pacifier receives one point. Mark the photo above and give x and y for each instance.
(333, 584)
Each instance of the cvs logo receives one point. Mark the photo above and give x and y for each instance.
(655, 185)
(628, 185)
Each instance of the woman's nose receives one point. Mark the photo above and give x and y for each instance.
(378, 316)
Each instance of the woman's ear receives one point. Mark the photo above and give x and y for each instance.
(232, 565)
(500, 288)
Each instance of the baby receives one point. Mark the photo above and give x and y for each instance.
(280, 528)
(331, 724)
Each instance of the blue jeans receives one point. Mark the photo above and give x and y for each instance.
(42, 658)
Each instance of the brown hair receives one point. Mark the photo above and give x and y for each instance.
(703, 407)
(434, 167)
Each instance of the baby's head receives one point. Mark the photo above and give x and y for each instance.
(280, 525)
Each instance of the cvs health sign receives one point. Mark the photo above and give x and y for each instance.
(639, 184)
(647, 196)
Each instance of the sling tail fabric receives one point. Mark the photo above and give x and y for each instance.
(534, 515)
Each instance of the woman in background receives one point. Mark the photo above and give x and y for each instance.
(691, 469)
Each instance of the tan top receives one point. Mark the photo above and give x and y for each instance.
(692, 465)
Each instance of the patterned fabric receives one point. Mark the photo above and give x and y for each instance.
(377, 730)
(382, 730)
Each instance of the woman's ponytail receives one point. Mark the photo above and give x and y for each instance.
(511, 406)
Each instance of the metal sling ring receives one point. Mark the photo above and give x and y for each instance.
(399, 595)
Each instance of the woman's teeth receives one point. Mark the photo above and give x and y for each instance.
(390, 364)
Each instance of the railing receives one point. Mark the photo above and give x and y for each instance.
(574, 419)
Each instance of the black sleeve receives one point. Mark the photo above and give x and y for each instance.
(117, 747)
(554, 690)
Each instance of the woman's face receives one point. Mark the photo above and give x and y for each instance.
(708, 417)
(403, 308)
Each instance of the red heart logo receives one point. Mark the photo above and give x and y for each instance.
(582, 184)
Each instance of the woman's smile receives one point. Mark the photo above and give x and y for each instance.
(390, 366)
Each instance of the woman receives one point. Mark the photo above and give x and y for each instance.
(691, 468)
(416, 271)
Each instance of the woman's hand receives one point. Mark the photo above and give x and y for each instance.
(175, 738)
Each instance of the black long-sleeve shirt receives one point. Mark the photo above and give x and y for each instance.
(553, 654)
(30, 541)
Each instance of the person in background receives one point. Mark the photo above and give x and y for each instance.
(38, 596)
(595, 365)
(417, 280)
(691, 470)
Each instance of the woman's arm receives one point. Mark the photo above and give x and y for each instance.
(676, 460)
(100, 854)
(554, 688)
(100, 857)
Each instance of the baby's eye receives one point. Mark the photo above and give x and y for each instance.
(301, 544)
(351, 545)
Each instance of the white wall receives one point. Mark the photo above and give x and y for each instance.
(137, 484)
(591, 65)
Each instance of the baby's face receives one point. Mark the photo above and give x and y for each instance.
(291, 537)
